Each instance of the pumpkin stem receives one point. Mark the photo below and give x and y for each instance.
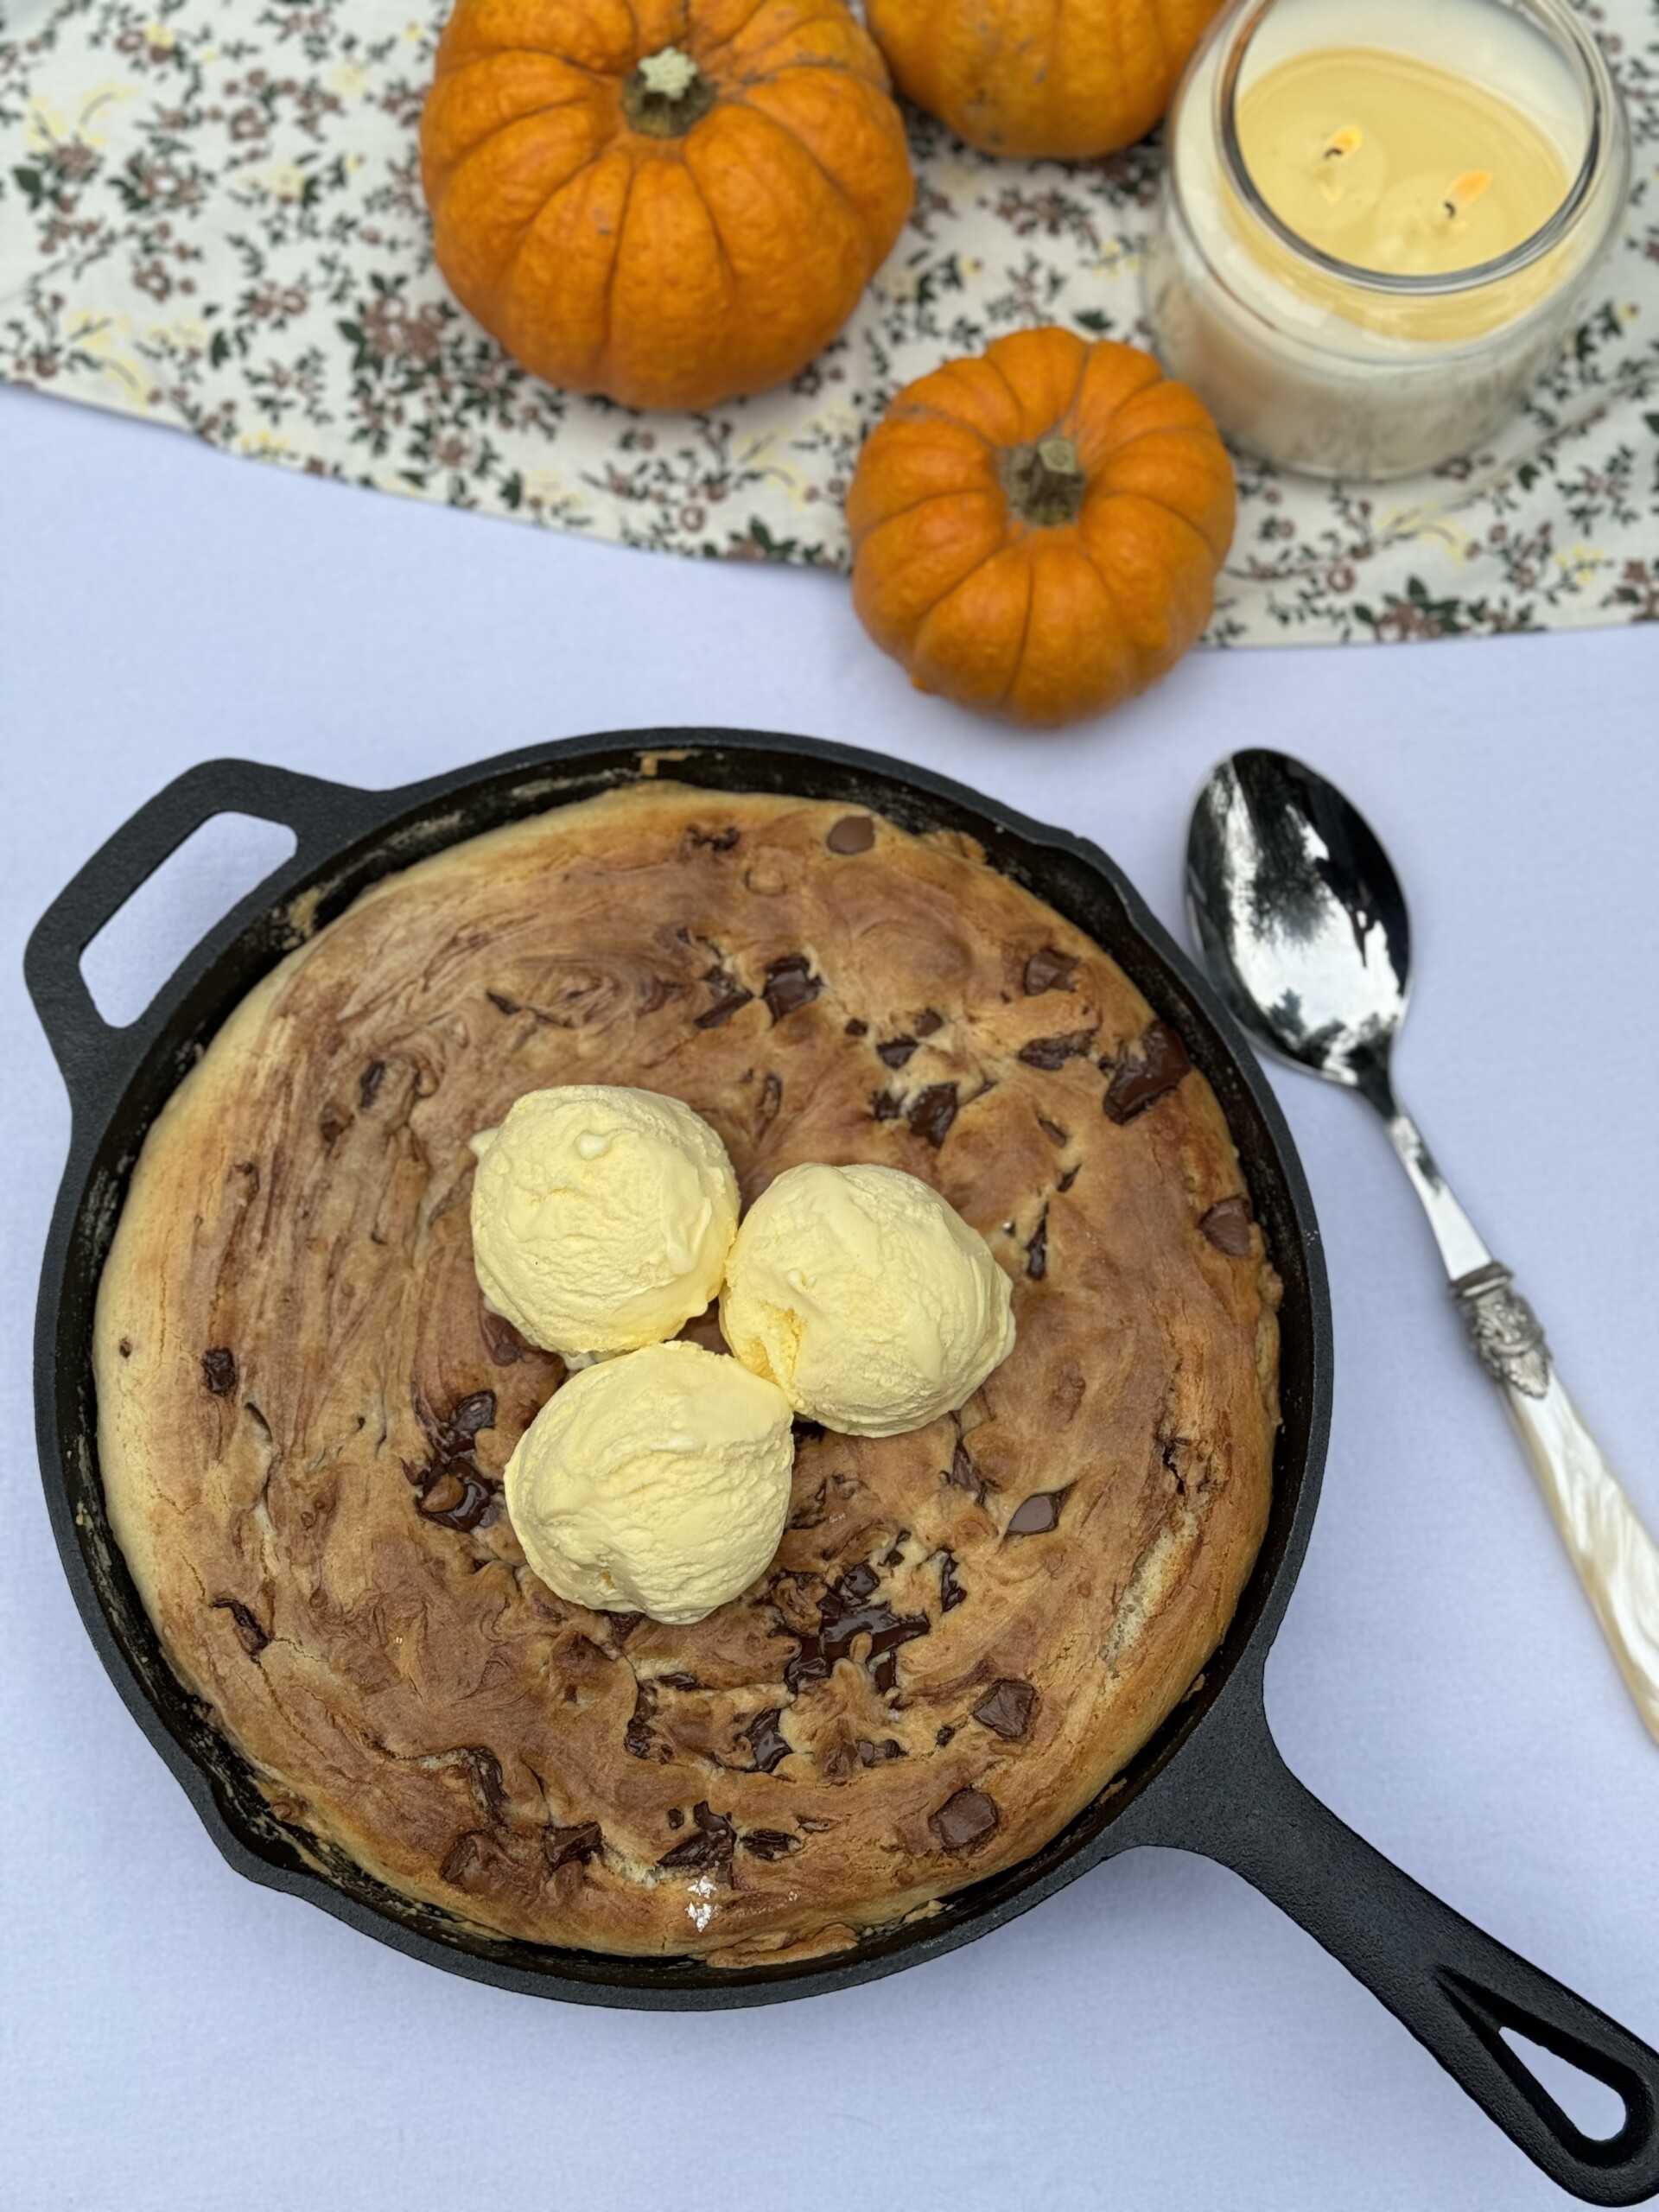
(667, 94)
(1045, 480)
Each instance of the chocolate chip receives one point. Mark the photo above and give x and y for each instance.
(951, 1592)
(501, 1340)
(871, 1754)
(711, 1846)
(859, 1581)
(770, 1843)
(1052, 1131)
(884, 1673)
(1036, 1515)
(854, 833)
(857, 1028)
(1227, 1225)
(502, 1003)
(944, 1735)
(895, 1052)
(1068, 1178)
(249, 1634)
(1049, 971)
(637, 1741)
(563, 1847)
(675, 1817)
(369, 1083)
(845, 1613)
(474, 1414)
(928, 1022)
(125, 1347)
(933, 1111)
(218, 1371)
(765, 1739)
(962, 1474)
(1036, 1250)
(484, 1772)
(964, 1819)
(678, 1681)
(718, 841)
(1007, 1707)
(728, 995)
(1160, 1063)
(884, 1106)
(1052, 1052)
(791, 985)
(330, 1128)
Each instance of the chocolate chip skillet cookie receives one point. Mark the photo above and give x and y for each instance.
(305, 1408)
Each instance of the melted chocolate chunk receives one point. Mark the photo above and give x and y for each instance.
(472, 1414)
(962, 1474)
(249, 1633)
(1051, 1053)
(1052, 1131)
(638, 1739)
(951, 1591)
(711, 1846)
(675, 1817)
(218, 1371)
(944, 1735)
(1227, 1225)
(1068, 1178)
(728, 995)
(871, 1754)
(369, 1083)
(770, 1843)
(484, 1772)
(884, 1673)
(854, 833)
(458, 1497)
(454, 1490)
(1136, 1084)
(679, 1681)
(502, 1003)
(501, 1340)
(1007, 1707)
(791, 985)
(715, 840)
(1036, 1515)
(856, 1028)
(933, 1111)
(125, 1347)
(895, 1052)
(1036, 1250)
(765, 1738)
(466, 1856)
(1049, 971)
(846, 1611)
(964, 1819)
(928, 1022)
(885, 1107)
(561, 1846)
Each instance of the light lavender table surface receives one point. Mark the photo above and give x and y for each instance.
(1157, 2036)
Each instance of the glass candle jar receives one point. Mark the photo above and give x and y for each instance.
(1332, 167)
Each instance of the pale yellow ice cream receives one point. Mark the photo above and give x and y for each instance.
(602, 1216)
(657, 1483)
(865, 1297)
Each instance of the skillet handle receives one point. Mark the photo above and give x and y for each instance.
(317, 812)
(1454, 1987)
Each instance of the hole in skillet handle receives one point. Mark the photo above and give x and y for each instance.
(147, 937)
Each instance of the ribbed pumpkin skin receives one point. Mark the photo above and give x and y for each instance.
(661, 271)
(1067, 78)
(1042, 622)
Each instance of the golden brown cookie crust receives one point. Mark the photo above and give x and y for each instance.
(304, 1410)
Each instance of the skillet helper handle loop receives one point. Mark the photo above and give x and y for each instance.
(1617, 1559)
(1456, 1988)
(83, 1042)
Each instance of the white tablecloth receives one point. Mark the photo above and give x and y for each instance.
(175, 2038)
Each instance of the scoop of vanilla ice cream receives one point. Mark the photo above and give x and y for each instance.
(865, 1297)
(657, 1483)
(602, 1216)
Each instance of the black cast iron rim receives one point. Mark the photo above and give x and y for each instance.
(1210, 1780)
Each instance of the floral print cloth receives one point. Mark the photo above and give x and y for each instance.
(210, 216)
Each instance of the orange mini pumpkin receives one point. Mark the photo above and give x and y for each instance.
(670, 202)
(1036, 532)
(1069, 78)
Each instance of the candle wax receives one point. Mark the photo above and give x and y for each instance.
(1395, 165)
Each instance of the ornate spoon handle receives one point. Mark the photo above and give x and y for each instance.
(1617, 1559)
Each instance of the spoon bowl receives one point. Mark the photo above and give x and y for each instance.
(1299, 916)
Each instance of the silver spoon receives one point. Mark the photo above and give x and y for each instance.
(1303, 928)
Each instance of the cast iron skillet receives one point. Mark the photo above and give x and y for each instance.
(1210, 1781)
